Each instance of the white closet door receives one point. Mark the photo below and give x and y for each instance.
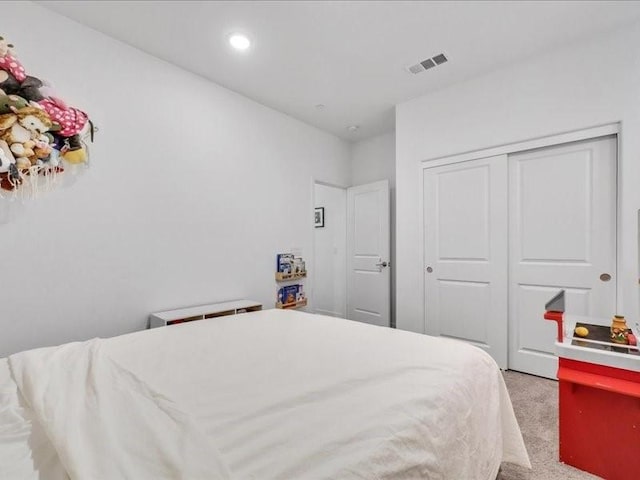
(562, 229)
(465, 234)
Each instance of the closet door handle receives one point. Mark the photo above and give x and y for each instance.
(605, 277)
(429, 269)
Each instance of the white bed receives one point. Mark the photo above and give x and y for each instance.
(264, 395)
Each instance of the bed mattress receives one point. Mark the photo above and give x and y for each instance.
(264, 395)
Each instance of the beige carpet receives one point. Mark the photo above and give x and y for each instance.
(535, 401)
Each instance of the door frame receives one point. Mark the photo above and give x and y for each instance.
(312, 255)
(614, 128)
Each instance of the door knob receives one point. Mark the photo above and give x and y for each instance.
(382, 264)
(605, 277)
(429, 269)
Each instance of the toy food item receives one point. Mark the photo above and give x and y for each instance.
(619, 330)
(582, 331)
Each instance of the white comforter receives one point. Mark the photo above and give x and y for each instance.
(265, 395)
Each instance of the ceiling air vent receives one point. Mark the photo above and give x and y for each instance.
(439, 59)
(427, 64)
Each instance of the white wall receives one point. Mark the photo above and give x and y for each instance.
(192, 191)
(330, 246)
(581, 86)
(374, 159)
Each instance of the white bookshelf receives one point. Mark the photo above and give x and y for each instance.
(200, 312)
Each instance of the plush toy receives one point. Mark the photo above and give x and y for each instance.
(53, 161)
(5, 48)
(30, 89)
(9, 63)
(73, 150)
(35, 120)
(43, 147)
(71, 120)
(8, 83)
(20, 130)
(6, 157)
(11, 103)
(37, 129)
(9, 174)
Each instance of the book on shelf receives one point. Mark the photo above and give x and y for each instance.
(291, 294)
(284, 262)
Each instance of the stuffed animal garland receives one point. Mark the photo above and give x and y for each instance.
(37, 129)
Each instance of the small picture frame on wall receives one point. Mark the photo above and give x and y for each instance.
(319, 217)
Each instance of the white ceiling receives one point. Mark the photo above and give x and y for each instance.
(348, 55)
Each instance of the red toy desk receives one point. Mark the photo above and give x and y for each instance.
(599, 394)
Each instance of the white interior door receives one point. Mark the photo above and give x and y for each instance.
(465, 235)
(562, 226)
(368, 267)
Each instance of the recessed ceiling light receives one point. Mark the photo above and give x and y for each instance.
(239, 41)
(353, 128)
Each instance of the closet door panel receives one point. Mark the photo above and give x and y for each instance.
(465, 248)
(562, 230)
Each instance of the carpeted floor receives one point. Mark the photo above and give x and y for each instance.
(535, 401)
